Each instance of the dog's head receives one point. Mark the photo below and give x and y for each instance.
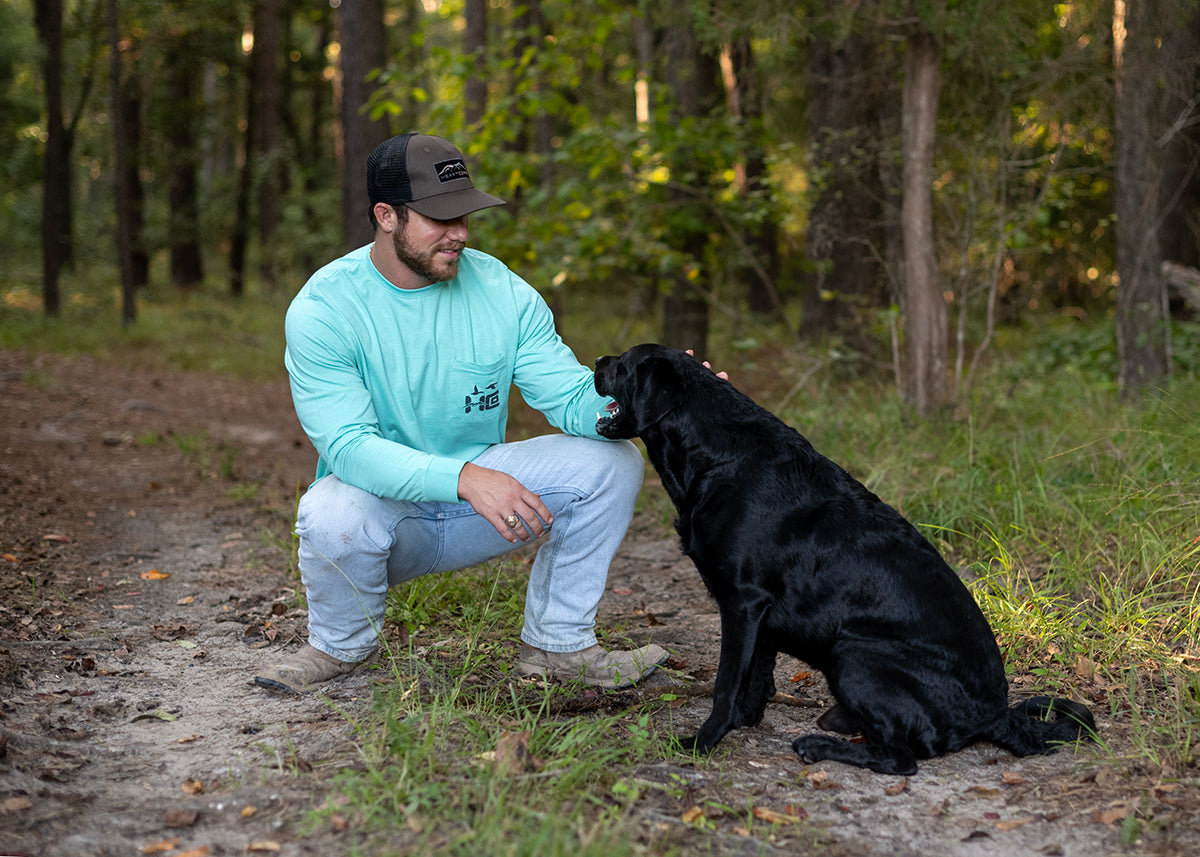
(646, 383)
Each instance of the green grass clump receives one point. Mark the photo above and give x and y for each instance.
(458, 756)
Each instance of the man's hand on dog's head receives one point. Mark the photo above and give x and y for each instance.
(724, 376)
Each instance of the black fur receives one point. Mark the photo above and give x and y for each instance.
(801, 558)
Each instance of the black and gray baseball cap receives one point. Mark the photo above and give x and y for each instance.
(428, 174)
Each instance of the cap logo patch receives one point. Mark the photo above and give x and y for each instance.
(448, 171)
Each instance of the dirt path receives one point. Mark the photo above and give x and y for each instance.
(144, 549)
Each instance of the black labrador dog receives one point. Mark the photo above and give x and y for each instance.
(801, 558)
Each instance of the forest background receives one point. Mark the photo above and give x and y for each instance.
(901, 181)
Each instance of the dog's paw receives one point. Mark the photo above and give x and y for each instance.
(816, 748)
(691, 744)
(876, 757)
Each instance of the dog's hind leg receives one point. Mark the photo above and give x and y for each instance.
(840, 719)
(872, 699)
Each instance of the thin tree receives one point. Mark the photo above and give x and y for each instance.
(56, 169)
(1143, 323)
(306, 121)
(758, 267)
(267, 101)
(845, 241)
(182, 112)
(925, 316)
(1179, 143)
(131, 117)
(534, 133)
(694, 81)
(259, 178)
(121, 146)
(363, 52)
(240, 239)
(475, 49)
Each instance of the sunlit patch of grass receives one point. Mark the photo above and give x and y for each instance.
(208, 331)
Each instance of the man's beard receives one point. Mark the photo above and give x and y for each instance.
(425, 264)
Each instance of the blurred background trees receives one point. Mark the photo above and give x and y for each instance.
(898, 180)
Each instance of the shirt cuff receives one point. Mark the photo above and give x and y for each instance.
(441, 479)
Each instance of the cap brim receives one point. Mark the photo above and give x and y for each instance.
(453, 205)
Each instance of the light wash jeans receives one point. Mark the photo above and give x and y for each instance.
(354, 545)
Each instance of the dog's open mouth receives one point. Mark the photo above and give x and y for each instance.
(612, 410)
(614, 423)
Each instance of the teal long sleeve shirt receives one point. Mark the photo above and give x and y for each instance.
(397, 389)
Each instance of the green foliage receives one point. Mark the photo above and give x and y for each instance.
(1024, 147)
(1025, 150)
(604, 220)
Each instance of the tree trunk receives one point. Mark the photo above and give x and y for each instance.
(693, 80)
(239, 241)
(927, 335)
(266, 100)
(306, 128)
(1143, 325)
(66, 228)
(183, 210)
(121, 146)
(56, 169)
(643, 42)
(363, 51)
(845, 241)
(743, 98)
(475, 45)
(131, 115)
(536, 133)
(1179, 198)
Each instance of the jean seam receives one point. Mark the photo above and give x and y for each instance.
(552, 547)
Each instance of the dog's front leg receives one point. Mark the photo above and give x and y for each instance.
(740, 626)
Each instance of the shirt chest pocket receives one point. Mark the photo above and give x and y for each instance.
(479, 390)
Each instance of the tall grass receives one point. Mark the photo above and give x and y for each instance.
(1075, 516)
(197, 332)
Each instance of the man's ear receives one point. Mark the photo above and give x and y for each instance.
(658, 392)
(386, 216)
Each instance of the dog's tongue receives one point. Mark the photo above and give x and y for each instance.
(612, 407)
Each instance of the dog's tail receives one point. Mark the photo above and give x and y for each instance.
(1041, 724)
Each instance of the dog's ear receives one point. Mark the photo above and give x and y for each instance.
(658, 391)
